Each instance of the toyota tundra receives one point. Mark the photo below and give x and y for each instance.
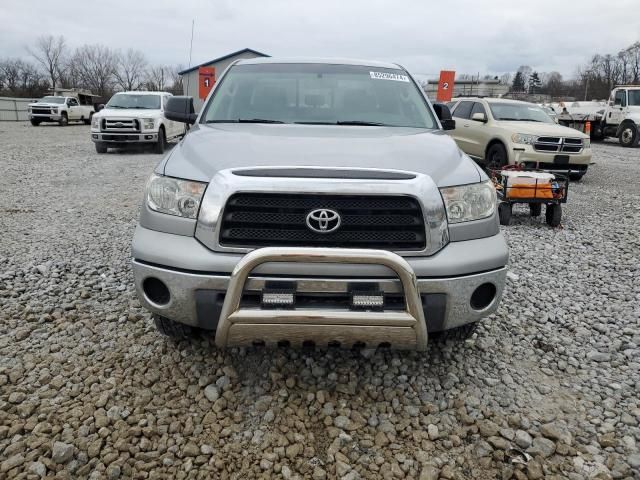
(318, 202)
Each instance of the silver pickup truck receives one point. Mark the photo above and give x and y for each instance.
(318, 202)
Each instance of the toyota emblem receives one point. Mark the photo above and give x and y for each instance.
(323, 220)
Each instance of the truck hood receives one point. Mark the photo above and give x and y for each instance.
(207, 149)
(542, 129)
(127, 113)
(41, 104)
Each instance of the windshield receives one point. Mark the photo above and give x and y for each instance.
(59, 100)
(319, 94)
(520, 112)
(634, 97)
(129, 100)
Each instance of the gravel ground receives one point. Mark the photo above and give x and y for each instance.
(547, 388)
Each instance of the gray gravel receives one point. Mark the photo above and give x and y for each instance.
(547, 388)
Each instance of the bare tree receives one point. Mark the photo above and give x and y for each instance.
(158, 78)
(96, 66)
(21, 78)
(49, 52)
(130, 70)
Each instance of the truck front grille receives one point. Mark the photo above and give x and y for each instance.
(558, 145)
(123, 125)
(41, 111)
(266, 219)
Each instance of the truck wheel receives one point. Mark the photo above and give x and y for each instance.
(457, 334)
(173, 329)
(34, 122)
(576, 176)
(504, 213)
(496, 157)
(535, 209)
(597, 133)
(64, 120)
(162, 141)
(628, 135)
(553, 214)
(88, 121)
(101, 148)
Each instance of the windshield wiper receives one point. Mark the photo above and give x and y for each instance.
(361, 122)
(114, 106)
(258, 120)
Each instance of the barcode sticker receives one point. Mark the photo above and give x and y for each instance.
(389, 76)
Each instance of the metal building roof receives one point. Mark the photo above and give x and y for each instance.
(219, 59)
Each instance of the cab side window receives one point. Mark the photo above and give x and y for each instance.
(73, 102)
(478, 108)
(621, 98)
(463, 110)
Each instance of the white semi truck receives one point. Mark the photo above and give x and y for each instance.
(619, 118)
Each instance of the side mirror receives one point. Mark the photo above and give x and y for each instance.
(444, 115)
(180, 109)
(479, 117)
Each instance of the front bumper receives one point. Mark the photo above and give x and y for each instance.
(45, 117)
(437, 291)
(525, 154)
(145, 137)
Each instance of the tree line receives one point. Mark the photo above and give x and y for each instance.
(594, 80)
(52, 63)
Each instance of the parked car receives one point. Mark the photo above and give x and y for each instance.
(317, 202)
(61, 110)
(134, 118)
(498, 132)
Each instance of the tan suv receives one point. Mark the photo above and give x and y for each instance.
(497, 132)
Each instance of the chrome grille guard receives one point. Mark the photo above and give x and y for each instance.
(245, 326)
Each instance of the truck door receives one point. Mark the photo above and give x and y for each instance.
(616, 112)
(73, 109)
(173, 128)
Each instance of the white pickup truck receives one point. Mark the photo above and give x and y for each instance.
(61, 110)
(134, 118)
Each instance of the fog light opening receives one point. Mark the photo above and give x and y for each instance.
(483, 296)
(156, 291)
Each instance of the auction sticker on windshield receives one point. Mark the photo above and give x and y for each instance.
(389, 76)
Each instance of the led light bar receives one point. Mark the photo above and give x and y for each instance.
(367, 300)
(278, 298)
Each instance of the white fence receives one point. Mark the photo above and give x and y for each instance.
(14, 109)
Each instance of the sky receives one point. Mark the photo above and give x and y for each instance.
(425, 36)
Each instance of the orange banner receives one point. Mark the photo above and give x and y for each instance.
(206, 80)
(445, 85)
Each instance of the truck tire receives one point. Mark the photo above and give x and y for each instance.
(162, 141)
(35, 122)
(553, 214)
(576, 176)
(628, 135)
(101, 147)
(496, 157)
(504, 213)
(535, 209)
(173, 329)
(88, 122)
(64, 120)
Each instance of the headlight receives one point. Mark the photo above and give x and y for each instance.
(95, 123)
(147, 123)
(174, 196)
(469, 202)
(586, 142)
(523, 138)
(54, 110)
